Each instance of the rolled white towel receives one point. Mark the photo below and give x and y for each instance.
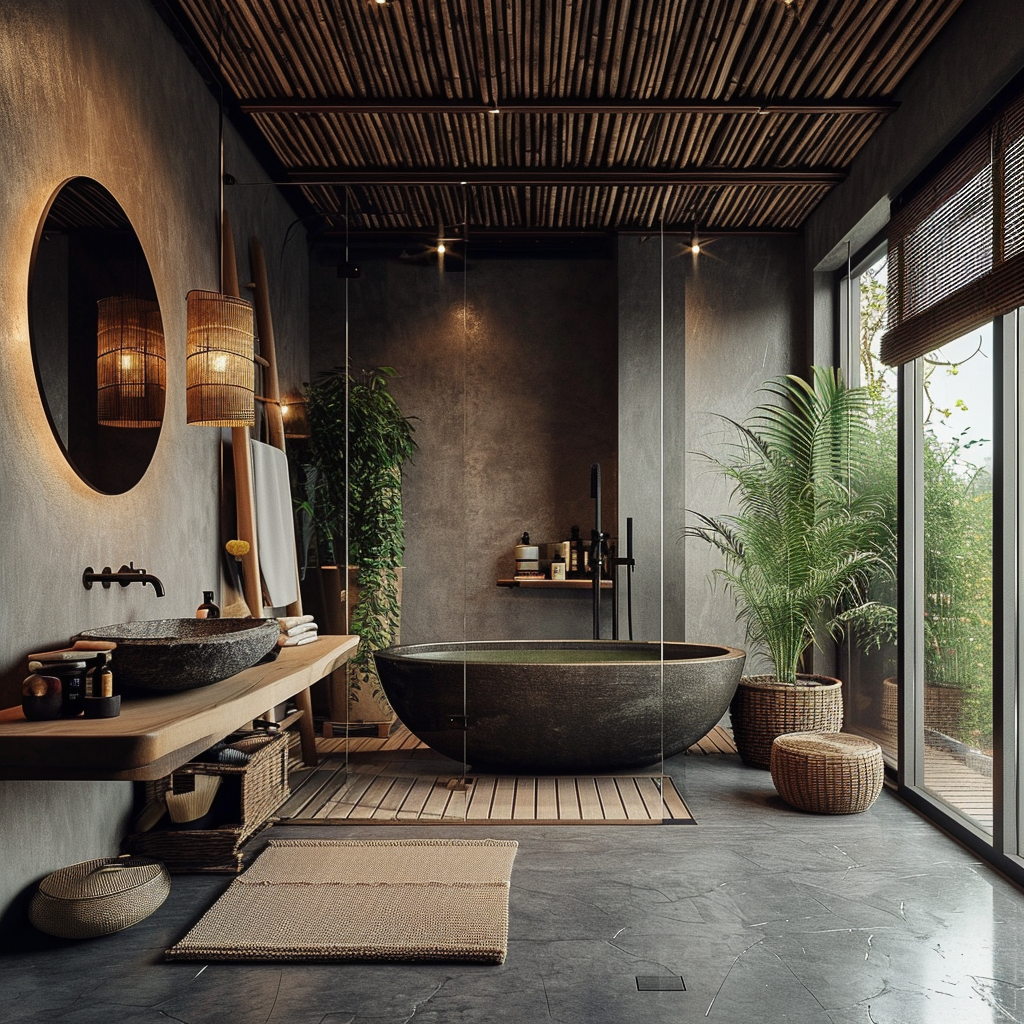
(296, 641)
(288, 621)
(303, 627)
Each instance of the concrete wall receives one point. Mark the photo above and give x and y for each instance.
(652, 410)
(730, 320)
(99, 88)
(510, 373)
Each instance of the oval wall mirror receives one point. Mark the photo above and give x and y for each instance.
(97, 337)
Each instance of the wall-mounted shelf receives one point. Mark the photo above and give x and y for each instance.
(154, 735)
(555, 584)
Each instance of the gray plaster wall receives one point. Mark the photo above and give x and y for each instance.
(698, 338)
(744, 325)
(509, 371)
(100, 88)
(652, 416)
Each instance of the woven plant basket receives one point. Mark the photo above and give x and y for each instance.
(764, 708)
(943, 708)
(98, 897)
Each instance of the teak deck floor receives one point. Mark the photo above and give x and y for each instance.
(949, 779)
(399, 779)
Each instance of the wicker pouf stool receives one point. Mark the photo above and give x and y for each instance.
(829, 773)
(98, 897)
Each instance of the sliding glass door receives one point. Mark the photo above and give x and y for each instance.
(956, 597)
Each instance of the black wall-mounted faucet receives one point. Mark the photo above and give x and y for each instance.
(125, 575)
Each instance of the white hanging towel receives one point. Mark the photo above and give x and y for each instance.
(275, 527)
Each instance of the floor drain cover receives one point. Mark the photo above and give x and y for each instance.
(660, 983)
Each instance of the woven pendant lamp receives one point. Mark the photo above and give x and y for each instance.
(219, 361)
(131, 368)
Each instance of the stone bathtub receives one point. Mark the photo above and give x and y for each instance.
(559, 706)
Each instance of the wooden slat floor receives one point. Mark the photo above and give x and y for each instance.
(398, 779)
(957, 784)
(313, 792)
(949, 779)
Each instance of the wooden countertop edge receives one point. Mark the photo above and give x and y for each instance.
(154, 735)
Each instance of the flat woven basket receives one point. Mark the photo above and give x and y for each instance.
(764, 708)
(98, 897)
(827, 773)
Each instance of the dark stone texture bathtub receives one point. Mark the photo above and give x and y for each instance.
(559, 706)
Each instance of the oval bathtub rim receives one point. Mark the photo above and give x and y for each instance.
(404, 652)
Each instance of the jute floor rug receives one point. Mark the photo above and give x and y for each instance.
(406, 899)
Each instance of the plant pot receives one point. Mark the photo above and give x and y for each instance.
(943, 708)
(764, 708)
(323, 597)
(362, 689)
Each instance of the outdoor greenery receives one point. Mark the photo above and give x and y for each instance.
(378, 443)
(808, 534)
(957, 523)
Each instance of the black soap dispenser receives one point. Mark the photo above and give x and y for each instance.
(208, 610)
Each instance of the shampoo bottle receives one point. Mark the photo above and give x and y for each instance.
(208, 610)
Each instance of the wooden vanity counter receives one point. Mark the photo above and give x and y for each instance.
(153, 735)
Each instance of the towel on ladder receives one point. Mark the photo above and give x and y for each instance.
(275, 527)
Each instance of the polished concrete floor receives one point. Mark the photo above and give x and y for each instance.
(766, 914)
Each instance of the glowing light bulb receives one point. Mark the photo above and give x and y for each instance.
(220, 363)
(440, 248)
(284, 410)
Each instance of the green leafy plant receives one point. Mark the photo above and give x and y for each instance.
(379, 442)
(957, 521)
(805, 539)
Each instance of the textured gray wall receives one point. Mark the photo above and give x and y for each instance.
(730, 320)
(744, 325)
(652, 408)
(510, 372)
(99, 88)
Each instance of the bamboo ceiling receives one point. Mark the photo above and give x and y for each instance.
(564, 115)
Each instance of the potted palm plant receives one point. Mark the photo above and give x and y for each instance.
(377, 443)
(799, 549)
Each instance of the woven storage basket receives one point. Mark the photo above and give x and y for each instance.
(828, 773)
(260, 787)
(764, 708)
(98, 897)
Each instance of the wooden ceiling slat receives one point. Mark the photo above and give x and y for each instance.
(925, 34)
(642, 73)
(681, 33)
(715, 71)
(633, 51)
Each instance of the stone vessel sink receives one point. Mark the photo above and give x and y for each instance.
(181, 654)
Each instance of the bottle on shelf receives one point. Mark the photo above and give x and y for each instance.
(208, 609)
(575, 570)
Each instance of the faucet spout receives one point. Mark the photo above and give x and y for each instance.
(126, 575)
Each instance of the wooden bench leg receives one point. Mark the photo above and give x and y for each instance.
(307, 736)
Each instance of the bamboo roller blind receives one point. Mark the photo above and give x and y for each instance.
(956, 248)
